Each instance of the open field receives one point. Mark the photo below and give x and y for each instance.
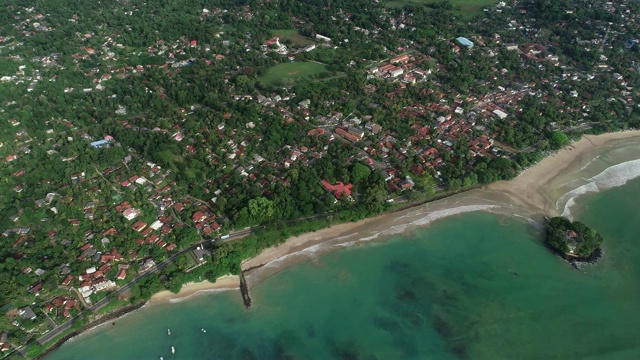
(466, 7)
(291, 71)
(292, 35)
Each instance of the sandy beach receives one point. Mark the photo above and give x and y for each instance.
(530, 195)
(533, 187)
(228, 282)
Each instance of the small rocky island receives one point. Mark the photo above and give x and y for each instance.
(573, 240)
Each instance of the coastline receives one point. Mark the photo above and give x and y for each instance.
(115, 315)
(534, 186)
(530, 195)
(224, 283)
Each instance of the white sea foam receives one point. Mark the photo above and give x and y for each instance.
(613, 176)
(314, 251)
(436, 215)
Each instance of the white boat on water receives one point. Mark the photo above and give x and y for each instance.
(173, 350)
(203, 330)
(169, 332)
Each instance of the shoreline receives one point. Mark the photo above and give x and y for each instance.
(533, 187)
(527, 196)
(112, 316)
(530, 195)
(224, 283)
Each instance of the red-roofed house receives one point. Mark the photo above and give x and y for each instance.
(139, 225)
(69, 304)
(198, 216)
(146, 232)
(67, 280)
(110, 231)
(152, 239)
(347, 135)
(121, 274)
(338, 189)
(401, 59)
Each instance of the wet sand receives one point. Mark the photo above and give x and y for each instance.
(534, 187)
(228, 282)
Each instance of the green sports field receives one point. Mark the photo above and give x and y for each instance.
(291, 72)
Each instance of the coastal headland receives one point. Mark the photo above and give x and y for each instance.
(533, 195)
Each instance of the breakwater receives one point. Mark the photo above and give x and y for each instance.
(244, 290)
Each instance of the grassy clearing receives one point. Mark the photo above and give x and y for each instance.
(465, 7)
(293, 36)
(289, 72)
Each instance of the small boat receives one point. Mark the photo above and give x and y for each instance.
(169, 332)
(203, 330)
(173, 350)
(161, 358)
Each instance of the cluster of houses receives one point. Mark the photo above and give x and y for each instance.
(274, 45)
(204, 221)
(435, 127)
(61, 305)
(402, 68)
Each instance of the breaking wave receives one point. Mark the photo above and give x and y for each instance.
(613, 176)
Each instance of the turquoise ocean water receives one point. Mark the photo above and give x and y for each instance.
(476, 286)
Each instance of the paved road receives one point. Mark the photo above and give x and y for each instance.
(98, 305)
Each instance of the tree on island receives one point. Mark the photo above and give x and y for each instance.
(573, 239)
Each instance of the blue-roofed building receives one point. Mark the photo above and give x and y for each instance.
(100, 143)
(465, 42)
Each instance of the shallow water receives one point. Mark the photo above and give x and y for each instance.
(476, 285)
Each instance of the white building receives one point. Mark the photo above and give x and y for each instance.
(396, 72)
(500, 114)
